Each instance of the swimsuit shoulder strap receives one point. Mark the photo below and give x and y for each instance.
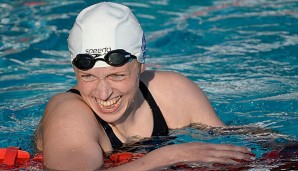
(75, 91)
(115, 142)
(160, 127)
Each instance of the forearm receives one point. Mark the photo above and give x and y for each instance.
(188, 153)
(155, 160)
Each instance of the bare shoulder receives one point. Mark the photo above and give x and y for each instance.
(171, 84)
(166, 80)
(62, 101)
(69, 130)
(64, 106)
(180, 99)
(68, 112)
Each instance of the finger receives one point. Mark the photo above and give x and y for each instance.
(235, 155)
(221, 160)
(228, 147)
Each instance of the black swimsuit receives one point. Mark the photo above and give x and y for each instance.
(160, 127)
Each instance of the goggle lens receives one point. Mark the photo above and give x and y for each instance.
(114, 58)
(84, 61)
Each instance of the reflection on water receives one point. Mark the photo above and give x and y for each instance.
(242, 53)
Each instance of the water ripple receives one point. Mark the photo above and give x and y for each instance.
(242, 53)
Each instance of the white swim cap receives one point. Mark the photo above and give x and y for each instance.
(106, 26)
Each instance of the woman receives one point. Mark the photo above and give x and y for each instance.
(115, 99)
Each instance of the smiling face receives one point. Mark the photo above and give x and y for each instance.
(110, 91)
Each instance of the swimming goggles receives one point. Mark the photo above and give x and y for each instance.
(115, 58)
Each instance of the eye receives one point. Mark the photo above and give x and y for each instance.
(117, 77)
(88, 77)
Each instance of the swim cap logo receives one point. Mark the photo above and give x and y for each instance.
(99, 51)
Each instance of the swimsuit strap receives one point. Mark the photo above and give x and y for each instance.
(160, 127)
(75, 91)
(115, 142)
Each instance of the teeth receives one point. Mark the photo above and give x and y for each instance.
(108, 103)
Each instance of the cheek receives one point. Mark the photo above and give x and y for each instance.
(128, 87)
(124, 87)
(86, 87)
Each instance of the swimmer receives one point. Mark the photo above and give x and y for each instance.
(116, 98)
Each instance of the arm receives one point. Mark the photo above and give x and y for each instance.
(70, 136)
(188, 153)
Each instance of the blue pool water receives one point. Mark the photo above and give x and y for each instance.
(242, 53)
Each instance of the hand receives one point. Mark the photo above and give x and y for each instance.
(208, 153)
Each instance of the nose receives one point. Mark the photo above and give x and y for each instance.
(104, 90)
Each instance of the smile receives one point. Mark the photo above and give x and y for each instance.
(109, 105)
